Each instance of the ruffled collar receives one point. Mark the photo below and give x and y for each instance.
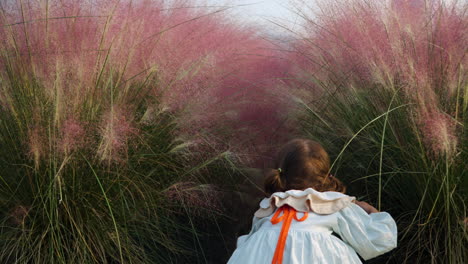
(308, 200)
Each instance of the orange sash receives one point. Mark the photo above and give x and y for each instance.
(289, 214)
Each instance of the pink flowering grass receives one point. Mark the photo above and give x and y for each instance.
(186, 57)
(101, 103)
(117, 131)
(73, 135)
(386, 94)
(417, 46)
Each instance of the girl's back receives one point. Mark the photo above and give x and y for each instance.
(309, 219)
(312, 240)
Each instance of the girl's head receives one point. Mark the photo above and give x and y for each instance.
(302, 164)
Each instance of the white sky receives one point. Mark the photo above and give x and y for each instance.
(265, 8)
(261, 11)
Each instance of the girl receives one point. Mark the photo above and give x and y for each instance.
(295, 224)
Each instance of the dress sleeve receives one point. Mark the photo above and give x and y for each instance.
(256, 223)
(369, 234)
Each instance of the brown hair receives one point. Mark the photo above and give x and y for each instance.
(302, 164)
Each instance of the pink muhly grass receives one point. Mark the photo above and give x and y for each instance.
(73, 136)
(250, 102)
(198, 58)
(197, 198)
(416, 45)
(36, 144)
(366, 41)
(439, 133)
(117, 129)
(132, 37)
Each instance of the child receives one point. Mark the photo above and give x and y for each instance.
(295, 224)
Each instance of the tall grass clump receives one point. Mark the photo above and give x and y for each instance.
(383, 85)
(103, 108)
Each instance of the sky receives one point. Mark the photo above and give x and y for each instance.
(262, 11)
(265, 8)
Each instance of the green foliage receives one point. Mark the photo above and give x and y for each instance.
(68, 203)
(377, 147)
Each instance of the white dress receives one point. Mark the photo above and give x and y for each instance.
(311, 241)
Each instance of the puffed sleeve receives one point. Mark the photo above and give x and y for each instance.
(369, 234)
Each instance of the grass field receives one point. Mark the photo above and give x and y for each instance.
(128, 129)
(384, 88)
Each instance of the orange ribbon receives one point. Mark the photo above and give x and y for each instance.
(289, 214)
